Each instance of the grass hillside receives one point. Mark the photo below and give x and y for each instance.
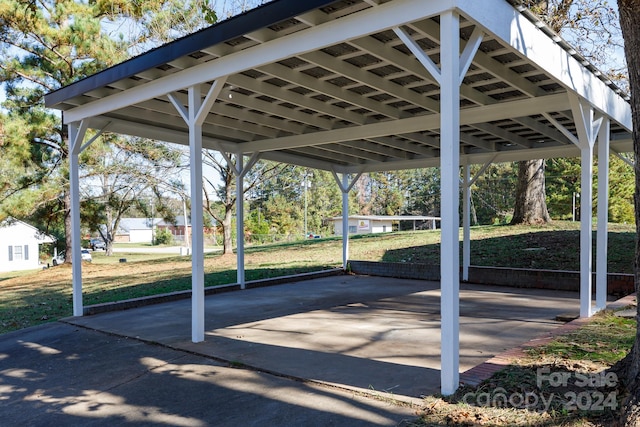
(28, 299)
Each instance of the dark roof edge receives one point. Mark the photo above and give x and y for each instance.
(260, 17)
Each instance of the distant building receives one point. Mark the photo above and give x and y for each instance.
(379, 223)
(176, 228)
(136, 230)
(20, 245)
(142, 230)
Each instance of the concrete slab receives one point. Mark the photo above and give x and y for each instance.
(369, 334)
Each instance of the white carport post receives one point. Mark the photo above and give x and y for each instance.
(76, 136)
(466, 223)
(76, 146)
(449, 195)
(194, 115)
(345, 220)
(241, 170)
(453, 68)
(345, 187)
(603, 215)
(466, 215)
(587, 128)
(240, 220)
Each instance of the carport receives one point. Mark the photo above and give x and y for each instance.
(365, 85)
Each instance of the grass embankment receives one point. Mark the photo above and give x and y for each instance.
(563, 383)
(28, 299)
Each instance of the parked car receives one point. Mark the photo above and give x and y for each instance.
(97, 243)
(86, 256)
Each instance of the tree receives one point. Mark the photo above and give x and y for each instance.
(530, 206)
(47, 44)
(222, 205)
(492, 194)
(629, 11)
(120, 174)
(589, 25)
(423, 195)
(325, 201)
(621, 190)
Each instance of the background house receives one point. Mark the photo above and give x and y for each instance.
(136, 230)
(379, 223)
(20, 246)
(176, 228)
(142, 230)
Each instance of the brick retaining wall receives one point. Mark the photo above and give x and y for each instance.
(617, 284)
(211, 290)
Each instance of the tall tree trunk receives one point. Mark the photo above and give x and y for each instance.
(531, 205)
(629, 17)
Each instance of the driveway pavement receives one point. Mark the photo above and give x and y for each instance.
(342, 350)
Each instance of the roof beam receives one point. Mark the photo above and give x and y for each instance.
(542, 129)
(295, 124)
(414, 124)
(320, 86)
(222, 130)
(278, 110)
(403, 145)
(486, 62)
(264, 88)
(294, 159)
(378, 147)
(503, 134)
(333, 155)
(367, 78)
(477, 142)
(351, 148)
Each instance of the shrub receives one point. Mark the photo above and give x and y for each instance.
(163, 237)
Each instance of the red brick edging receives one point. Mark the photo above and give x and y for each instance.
(483, 371)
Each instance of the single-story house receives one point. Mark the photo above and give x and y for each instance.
(378, 223)
(136, 230)
(176, 228)
(20, 245)
(142, 230)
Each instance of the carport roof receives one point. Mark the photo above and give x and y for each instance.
(331, 85)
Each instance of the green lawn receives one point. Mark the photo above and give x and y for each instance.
(30, 298)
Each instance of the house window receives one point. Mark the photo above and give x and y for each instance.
(353, 229)
(18, 253)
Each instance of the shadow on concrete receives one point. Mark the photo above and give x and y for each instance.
(58, 374)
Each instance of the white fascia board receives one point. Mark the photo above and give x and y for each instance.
(359, 24)
(500, 19)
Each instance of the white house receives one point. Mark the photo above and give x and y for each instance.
(20, 245)
(136, 230)
(378, 223)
